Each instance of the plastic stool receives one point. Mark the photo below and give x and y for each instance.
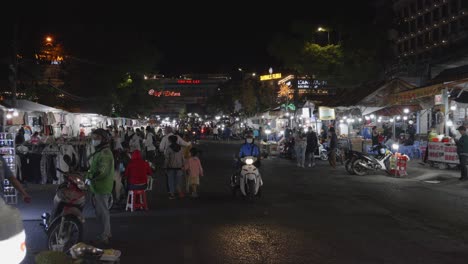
(136, 199)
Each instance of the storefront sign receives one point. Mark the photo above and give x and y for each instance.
(443, 152)
(326, 113)
(188, 81)
(273, 76)
(163, 93)
(304, 84)
(411, 95)
(438, 99)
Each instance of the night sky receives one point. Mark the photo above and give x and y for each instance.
(216, 40)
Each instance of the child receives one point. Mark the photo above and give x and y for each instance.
(194, 171)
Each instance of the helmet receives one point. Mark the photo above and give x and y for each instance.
(103, 133)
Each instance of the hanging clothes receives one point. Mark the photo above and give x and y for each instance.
(49, 158)
(61, 164)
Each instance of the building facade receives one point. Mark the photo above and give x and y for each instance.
(187, 92)
(431, 36)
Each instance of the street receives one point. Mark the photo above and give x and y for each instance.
(306, 215)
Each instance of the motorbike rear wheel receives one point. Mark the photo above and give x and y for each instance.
(358, 169)
(349, 166)
(72, 233)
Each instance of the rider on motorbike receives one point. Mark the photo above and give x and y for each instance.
(250, 149)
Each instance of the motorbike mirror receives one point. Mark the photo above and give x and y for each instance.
(67, 160)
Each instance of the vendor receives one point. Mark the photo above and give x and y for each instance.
(35, 139)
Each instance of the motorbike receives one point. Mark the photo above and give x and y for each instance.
(322, 152)
(364, 163)
(64, 225)
(350, 157)
(248, 180)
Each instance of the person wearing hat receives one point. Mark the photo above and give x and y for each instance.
(101, 180)
(462, 150)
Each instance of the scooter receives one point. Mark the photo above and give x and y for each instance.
(322, 152)
(64, 226)
(248, 180)
(365, 162)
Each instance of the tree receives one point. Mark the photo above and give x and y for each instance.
(248, 98)
(359, 55)
(267, 95)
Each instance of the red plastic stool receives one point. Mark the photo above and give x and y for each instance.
(136, 199)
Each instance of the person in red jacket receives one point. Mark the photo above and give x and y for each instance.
(137, 172)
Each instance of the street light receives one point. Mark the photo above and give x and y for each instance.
(321, 29)
(48, 39)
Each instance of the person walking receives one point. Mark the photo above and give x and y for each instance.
(333, 144)
(101, 179)
(312, 145)
(462, 149)
(194, 171)
(300, 147)
(174, 164)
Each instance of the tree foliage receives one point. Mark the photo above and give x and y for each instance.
(359, 51)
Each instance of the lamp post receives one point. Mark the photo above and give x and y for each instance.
(321, 29)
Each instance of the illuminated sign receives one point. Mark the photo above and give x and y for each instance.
(304, 84)
(163, 93)
(188, 81)
(310, 84)
(326, 113)
(270, 77)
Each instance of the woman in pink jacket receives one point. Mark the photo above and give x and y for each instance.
(194, 171)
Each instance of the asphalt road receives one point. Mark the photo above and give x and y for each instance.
(311, 215)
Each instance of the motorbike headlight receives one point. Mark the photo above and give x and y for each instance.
(383, 151)
(249, 161)
(395, 146)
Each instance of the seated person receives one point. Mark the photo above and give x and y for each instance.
(137, 172)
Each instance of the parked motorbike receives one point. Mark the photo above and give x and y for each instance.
(64, 225)
(350, 157)
(364, 163)
(248, 180)
(322, 152)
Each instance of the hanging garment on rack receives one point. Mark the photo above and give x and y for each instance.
(51, 118)
(49, 157)
(61, 164)
(34, 167)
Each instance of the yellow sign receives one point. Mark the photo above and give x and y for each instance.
(270, 77)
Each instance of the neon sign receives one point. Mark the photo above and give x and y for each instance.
(163, 93)
(270, 77)
(188, 81)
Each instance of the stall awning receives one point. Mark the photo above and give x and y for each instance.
(397, 110)
(28, 106)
